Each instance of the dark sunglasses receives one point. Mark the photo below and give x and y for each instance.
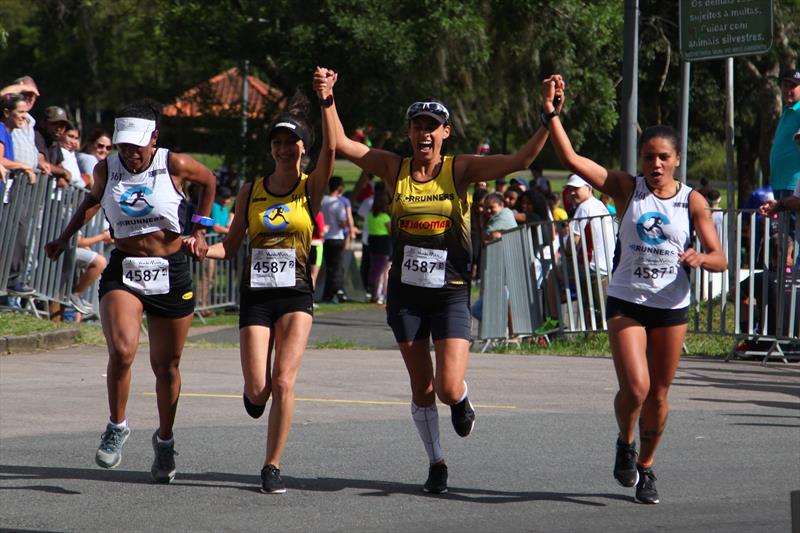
(104, 146)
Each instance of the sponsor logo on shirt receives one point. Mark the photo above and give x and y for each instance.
(650, 227)
(423, 224)
(275, 217)
(134, 203)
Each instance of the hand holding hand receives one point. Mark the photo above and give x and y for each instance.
(553, 93)
(324, 80)
(196, 245)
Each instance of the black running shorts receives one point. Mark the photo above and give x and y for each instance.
(265, 307)
(649, 317)
(177, 303)
(417, 313)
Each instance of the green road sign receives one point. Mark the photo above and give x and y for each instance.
(713, 29)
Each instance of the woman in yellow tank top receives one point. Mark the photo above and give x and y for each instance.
(428, 294)
(276, 304)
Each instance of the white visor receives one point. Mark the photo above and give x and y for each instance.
(129, 130)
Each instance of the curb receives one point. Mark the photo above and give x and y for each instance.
(48, 340)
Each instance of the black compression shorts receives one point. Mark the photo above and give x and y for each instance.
(416, 313)
(265, 307)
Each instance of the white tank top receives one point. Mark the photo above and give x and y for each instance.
(652, 233)
(138, 204)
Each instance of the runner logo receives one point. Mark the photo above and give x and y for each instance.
(650, 227)
(134, 202)
(274, 217)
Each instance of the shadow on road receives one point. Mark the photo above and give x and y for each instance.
(251, 483)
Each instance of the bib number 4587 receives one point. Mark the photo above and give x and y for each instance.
(423, 267)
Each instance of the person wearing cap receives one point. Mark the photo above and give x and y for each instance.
(139, 190)
(784, 157)
(649, 292)
(429, 280)
(276, 308)
(51, 131)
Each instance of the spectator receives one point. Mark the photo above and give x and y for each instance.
(592, 222)
(95, 149)
(511, 195)
(68, 144)
(26, 148)
(717, 216)
(554, 203)
(316, 247)
(501, 218)
(91, 264)
(500, 185)
(335, 213)
(784, 158)
(363, 212)
(380, 244)
(538, 181)
(609, 203)
(55, 126)
(13, 117)
(477, 221)
(221, 216)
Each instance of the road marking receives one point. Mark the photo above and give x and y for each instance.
(327, 400)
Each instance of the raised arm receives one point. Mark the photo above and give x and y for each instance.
(382, 163)
(324, 79)
(616, 184)
(229, 246)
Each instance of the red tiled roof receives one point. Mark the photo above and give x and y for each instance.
(221, 96)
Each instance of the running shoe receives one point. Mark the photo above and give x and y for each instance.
(646, 487)
(21, 289)
(463, 416)
(80, 305)
(163, 469)
(109, 454)
(252, 409)
(271, 481)
(625, 471)
(437, 479)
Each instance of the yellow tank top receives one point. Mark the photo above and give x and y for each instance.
(281, 222)
(431, 215)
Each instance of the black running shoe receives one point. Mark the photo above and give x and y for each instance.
(252, 409)
(163, 469)
(625, 464)
(271, 482)
(646, 487)
(463, 416)
(437, 479)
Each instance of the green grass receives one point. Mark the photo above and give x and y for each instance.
(338, 344)
(14, 324)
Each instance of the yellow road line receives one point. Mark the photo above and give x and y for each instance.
(325, 400)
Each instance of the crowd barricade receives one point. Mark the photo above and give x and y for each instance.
(48, 209)
(216, 282)
(756, 301)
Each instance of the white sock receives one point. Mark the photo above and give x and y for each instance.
(427, 421)
(465, 393)
(121, 425)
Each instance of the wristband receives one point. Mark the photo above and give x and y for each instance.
(203, 221)
(547, 116)
(327, 101)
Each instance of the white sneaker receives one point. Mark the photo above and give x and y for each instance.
(80, 305)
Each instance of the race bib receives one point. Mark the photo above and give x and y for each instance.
(423, 267)
(272, 267)
(146, 275)
(653, 273)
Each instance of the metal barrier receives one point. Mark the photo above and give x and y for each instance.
(216, 282)
(756, 300)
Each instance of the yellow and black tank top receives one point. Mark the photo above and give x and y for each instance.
(431, 215)
(281, 222)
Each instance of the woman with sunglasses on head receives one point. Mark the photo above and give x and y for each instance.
(95, 149)
(140, 193)
(277, 213)
(429, 280)
(648, 296)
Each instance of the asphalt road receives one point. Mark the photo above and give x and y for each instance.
(539, 459)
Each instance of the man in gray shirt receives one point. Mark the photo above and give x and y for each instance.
(335, 214)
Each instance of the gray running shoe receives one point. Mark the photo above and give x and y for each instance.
(109, 454)
(163, 469)
(82, 306)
